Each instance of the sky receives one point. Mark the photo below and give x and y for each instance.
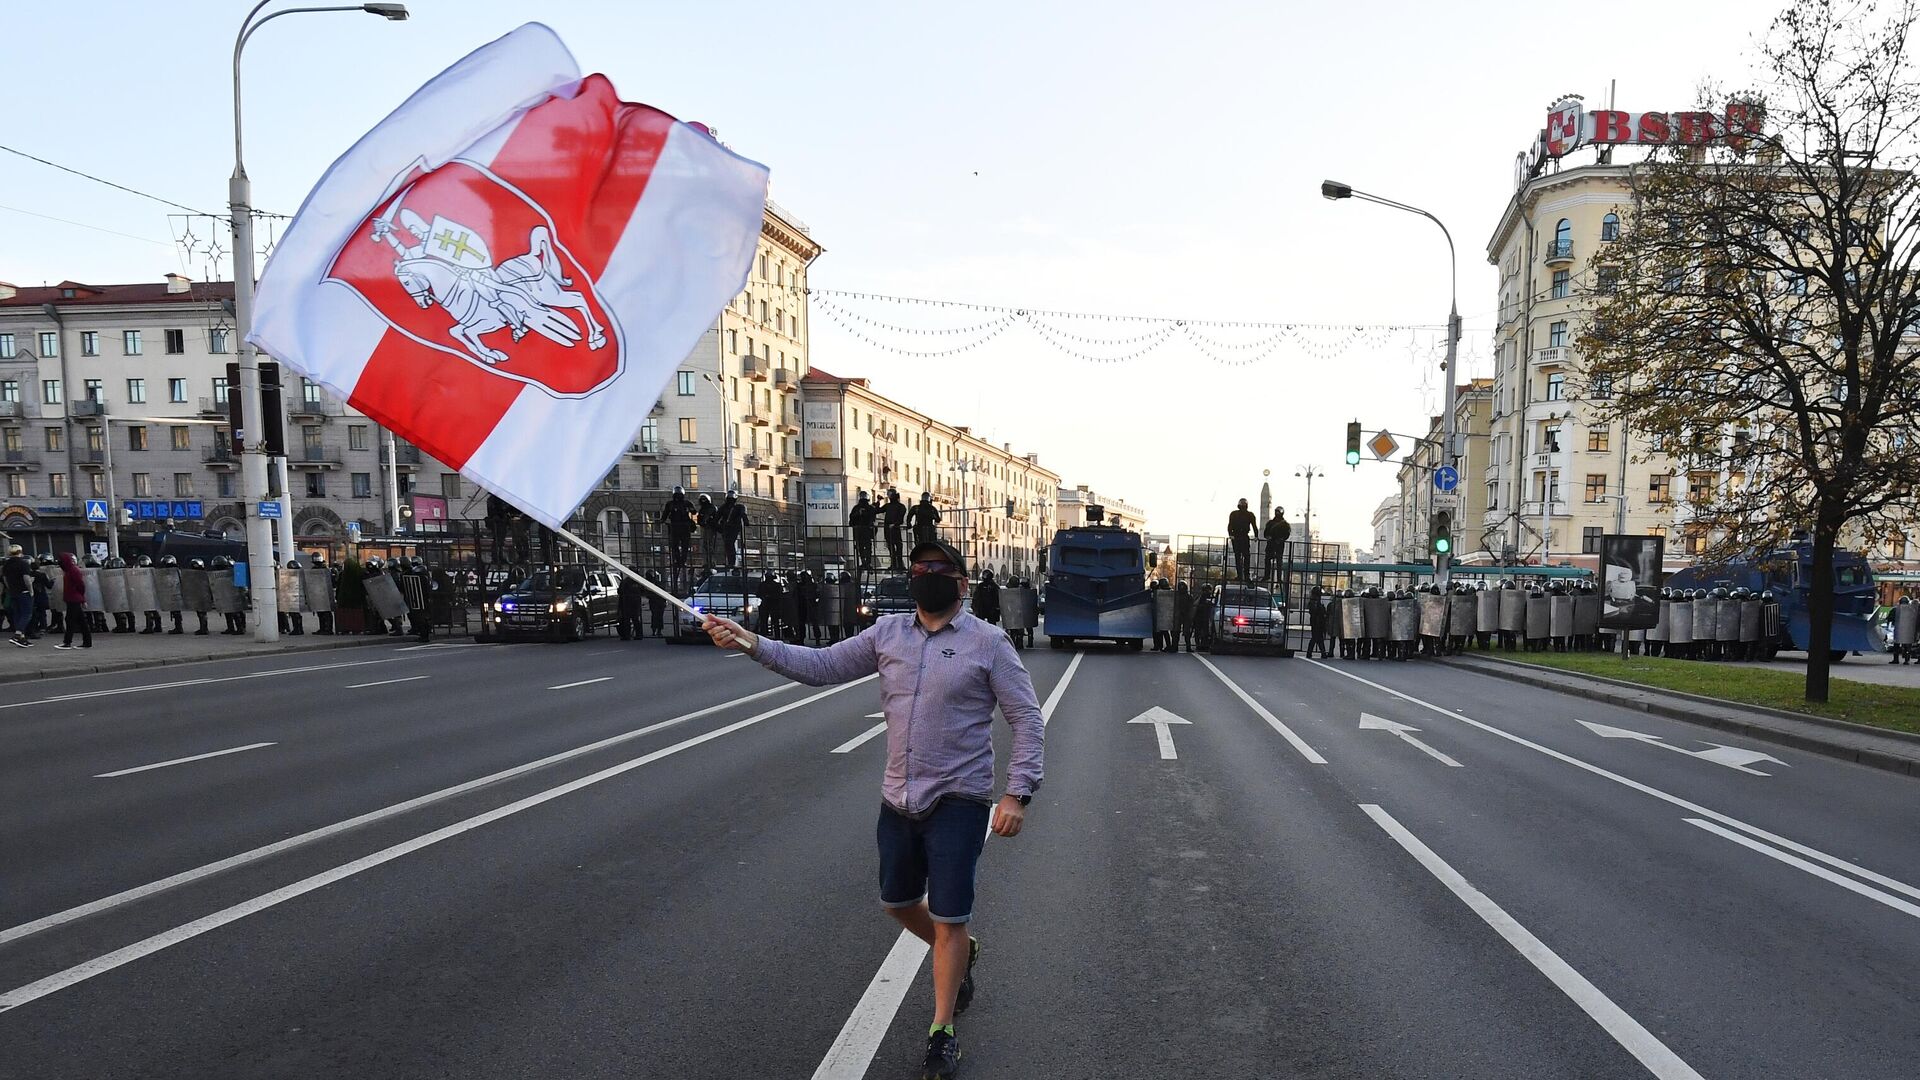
(1113, 157)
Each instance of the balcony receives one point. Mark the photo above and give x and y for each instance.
(783, 379)
(1558, 252)
(757, 419)
(1532, 508)
(313, 410)
(212, 407)
(221, 457)
(754, 368)
(793, 468)
(787, 426)
(405, 458)
(312, 459)
(90, 459)
(18, 461)
(753, 461)
(13, 410)
(645, 448)
(86, 407)
(1552, 356)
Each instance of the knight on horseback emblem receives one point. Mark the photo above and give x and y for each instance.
(442, 262)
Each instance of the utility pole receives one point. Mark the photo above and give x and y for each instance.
(1309, 472)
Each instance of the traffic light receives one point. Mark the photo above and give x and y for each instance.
(1440, 532)
(1353, 443)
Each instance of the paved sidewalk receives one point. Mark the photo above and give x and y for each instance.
(126, 652)
(1894, 751)
(1867, 669)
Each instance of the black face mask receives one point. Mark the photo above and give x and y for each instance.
(934, 593)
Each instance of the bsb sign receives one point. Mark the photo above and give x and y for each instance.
(1570, 126)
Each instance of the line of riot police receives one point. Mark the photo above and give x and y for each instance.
(1713, 624)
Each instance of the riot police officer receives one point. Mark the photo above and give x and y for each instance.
(733, 523)
(1240, 534)
(236, 621)
(1317, 623)
(1276, 533)
(1906, 631)
(680, 521)
(861, 520)
(168, 562)
(925, 518)
(892, 517)
(707, 516)
(293, 621)
(149, 619)
(333, 580)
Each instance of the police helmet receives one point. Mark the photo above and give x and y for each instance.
(1718, 594)
(143, 560)
(196, 564)
(168, 560)
(293, 564)
(115, 562)
(44, 560)
(221, 562)
(375, 564)
(678, 490)
(320, 562)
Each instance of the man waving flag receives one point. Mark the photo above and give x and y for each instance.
(507, 269)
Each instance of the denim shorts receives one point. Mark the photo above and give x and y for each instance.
(932, 857)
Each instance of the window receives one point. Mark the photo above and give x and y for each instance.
(1556, 386)
(220, 391)
(357, 437)
(1600, 387)
(1562, 284)
(137, 391)
(223, 484)
(183, 485)
(362, 485)
(1673, 279)
(10, 390)
(733, 388)
(1700, 486)
(450, 485)
(96, 390)
(309, 391)
(1610, 228)
(683, 382)
(50, 391)
(17, 485)
(650, 476)
(97, 439)
(89, 343)
(55, 439)
(1596, 487)
(182, 437)
(136, 437)
(176, 342)
(1550, 438)
(763, 312)
(312, 446)
(1557, 334)
(12, 440)
(1590, 540)
(611, 481)
(49, 344)
(763, 266)
(217, 339)
(1794, 284)
(130, 342)
(1606, 280)
(142, 485)
(690, 476)
(177, 391)
(1597, 439)
(733, 437)
(689, 431)
(1562, 238)
(1660, 488)
(316, 485)
(1696, 542)
(7, 349)
(650, 436)
(733, 342)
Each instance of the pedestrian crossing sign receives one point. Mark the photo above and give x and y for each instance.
(97, 510)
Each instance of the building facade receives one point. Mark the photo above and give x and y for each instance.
(1418, 498)
(859, 440)
(1070, 509)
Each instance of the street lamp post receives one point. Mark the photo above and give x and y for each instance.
(253, 464)
(1309, 472)
(726, 427)
(1334, 189)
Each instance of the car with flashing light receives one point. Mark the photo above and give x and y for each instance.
(556, 604)
(888, 596)
(1248, 617)
(731, 595)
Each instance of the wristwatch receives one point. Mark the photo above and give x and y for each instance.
(1024, 799)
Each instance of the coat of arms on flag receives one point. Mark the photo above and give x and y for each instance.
(507, 269)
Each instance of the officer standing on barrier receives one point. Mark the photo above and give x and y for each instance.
(925, 519)
(708, 518)
(1276, 533)
(733, 523)
(1240, 523)
(893, 518)
(679, 518)
(860, 519)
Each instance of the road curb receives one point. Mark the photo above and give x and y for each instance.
(108, 667)
(1815, 734)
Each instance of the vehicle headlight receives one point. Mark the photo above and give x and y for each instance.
(562, 607)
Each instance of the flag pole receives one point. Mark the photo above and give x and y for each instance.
(623, 568)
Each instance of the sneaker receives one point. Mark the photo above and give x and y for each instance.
(943, 1056)
(22, 642)
(965, 998)
(63, 646)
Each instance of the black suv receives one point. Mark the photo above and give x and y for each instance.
(563, 604)
(889, 597)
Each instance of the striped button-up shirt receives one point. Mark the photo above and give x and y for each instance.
(938, 691)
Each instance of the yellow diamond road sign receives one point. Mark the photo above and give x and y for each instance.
(1382, 445)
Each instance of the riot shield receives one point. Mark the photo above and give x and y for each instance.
(1406, 618)
(226, 595)
(1586, 613)
(826, 610)
(140, 589)
(166, 590)
(1513, 611)
(113, 591)
(96, 600)
(1706, 616)
(1560, 616)
(383, 596)
(1460, 614)
(1486, 615)
(316, 589)
(1537, 621)
(1679, 621)
(1662, 621)
(1378, 616)
(1726, 625)
(287, 581)
(1433, 615)
(413, 588)
(196, 592)
(1906, 624)
(1163, 610)
(1017, 608)
(1750, 621)
(1353, 618)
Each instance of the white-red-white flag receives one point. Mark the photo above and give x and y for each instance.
(509, 267)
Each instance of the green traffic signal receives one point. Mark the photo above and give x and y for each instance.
(1440, 532)
(1353, 443)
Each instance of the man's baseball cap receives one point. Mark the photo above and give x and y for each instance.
(941, 550)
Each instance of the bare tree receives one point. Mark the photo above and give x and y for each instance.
(1756, 317)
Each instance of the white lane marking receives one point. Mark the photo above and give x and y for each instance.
(1370, 722)
(582, 682)
(231, 862)
(853, 744)
(853, 1049)
(1308, 752)
(1733, 757)
(1161, 719)
(1691, 807)
(100, 965)
(182, 760)
(1821, 872)
(85, 695)
(386, 682)
(1625, 1030)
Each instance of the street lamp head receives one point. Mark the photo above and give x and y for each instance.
(396, 12)
(1334, 189)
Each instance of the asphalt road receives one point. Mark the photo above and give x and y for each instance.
(618, 860)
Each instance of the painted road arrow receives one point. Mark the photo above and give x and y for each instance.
(1161, 719)
(1370, 722)
(1733, 757)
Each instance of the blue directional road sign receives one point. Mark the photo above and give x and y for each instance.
(270, 509)
(97, 510)
(1446, 478)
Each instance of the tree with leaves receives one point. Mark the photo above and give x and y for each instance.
(1756, 319)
